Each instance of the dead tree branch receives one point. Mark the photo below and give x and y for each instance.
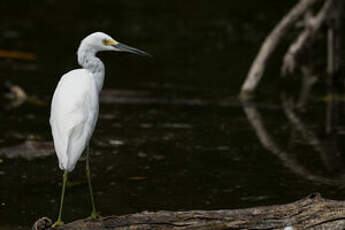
(270, 43)
(310, 213)
(312, 26)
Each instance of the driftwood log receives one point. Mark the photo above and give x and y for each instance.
(312, 212)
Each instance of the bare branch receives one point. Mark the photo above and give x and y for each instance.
(270, 43)
(312, 26)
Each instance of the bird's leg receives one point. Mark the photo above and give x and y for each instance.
(64, 181)
(94, 214)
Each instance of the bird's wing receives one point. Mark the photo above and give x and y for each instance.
(74, 113)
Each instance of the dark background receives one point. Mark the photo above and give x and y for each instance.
(159, 143)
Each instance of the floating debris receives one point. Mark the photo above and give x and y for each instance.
(142, 155)
(17, 55)
(29, 150)
(116, 142)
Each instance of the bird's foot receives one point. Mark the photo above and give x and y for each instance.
(95, 215)
(57, 224)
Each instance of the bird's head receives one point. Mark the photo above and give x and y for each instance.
(100, 41)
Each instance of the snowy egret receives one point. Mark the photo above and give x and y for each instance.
(74, 107)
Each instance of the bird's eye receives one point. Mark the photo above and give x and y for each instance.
(105, 42)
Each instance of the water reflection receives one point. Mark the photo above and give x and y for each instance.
(290, 155)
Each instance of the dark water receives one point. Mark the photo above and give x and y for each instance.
(172, 133)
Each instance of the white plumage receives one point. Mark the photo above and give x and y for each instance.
(74, 107)
(74, 113)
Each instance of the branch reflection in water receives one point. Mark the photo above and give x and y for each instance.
(327, 148)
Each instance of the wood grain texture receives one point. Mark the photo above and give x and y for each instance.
(312, 212)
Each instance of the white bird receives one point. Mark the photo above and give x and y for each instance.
(74, 107)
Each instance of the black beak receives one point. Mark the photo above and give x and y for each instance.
(125, 48)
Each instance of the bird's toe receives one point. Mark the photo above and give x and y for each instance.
(95, 215)
(57, 224)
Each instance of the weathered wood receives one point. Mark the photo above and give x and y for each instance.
(313, 212)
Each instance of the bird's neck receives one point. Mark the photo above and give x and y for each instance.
(88, 60)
